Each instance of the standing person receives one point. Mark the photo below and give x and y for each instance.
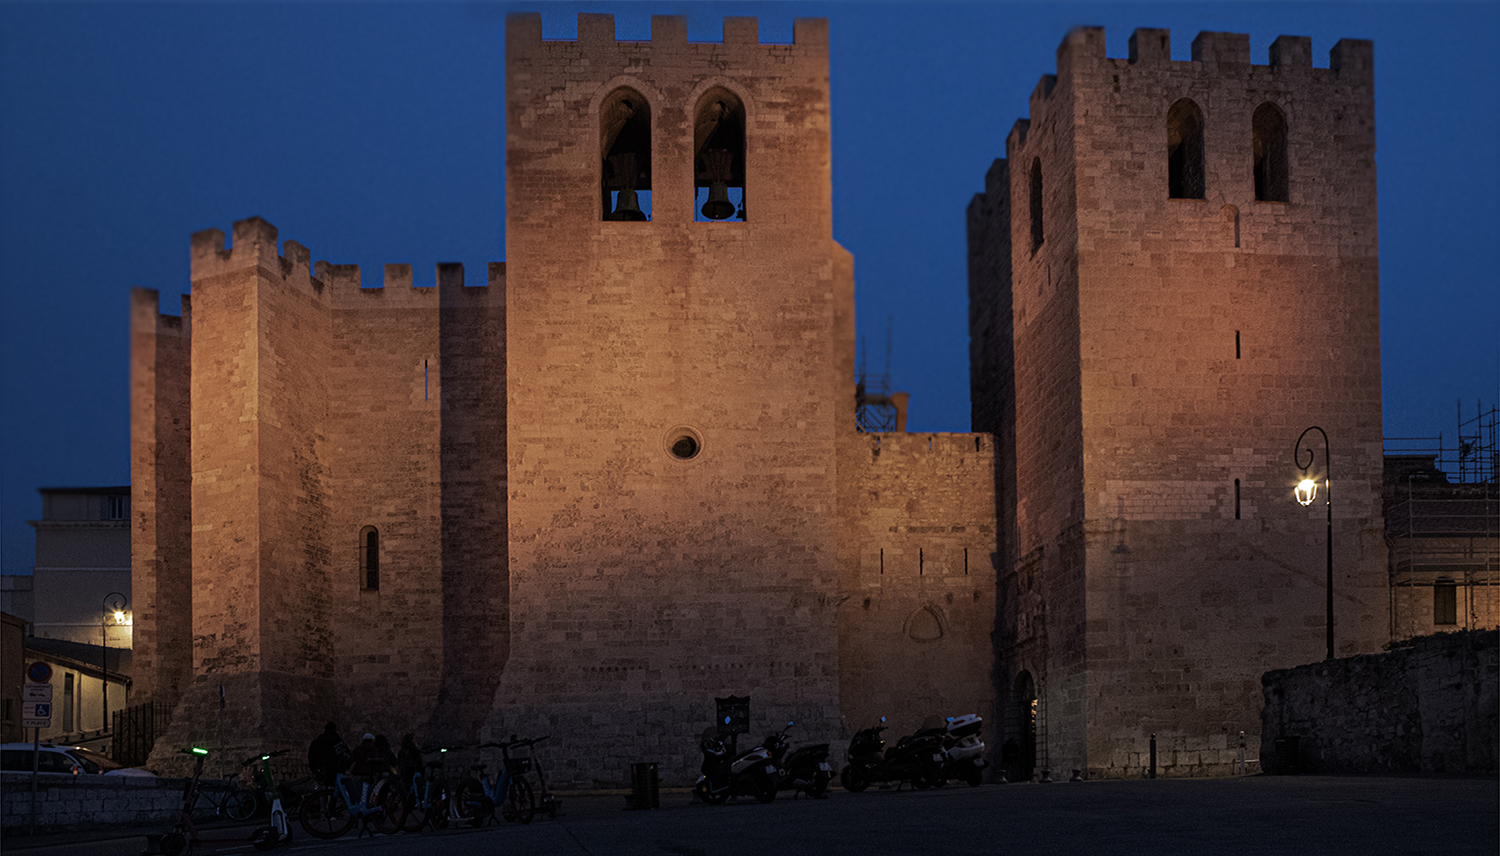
(328, 756)
(366, 760)
(408, 761)
(383, 746)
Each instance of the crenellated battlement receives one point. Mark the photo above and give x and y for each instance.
(146, 316)
(596, 31)
(1214, 54)
(254, 246)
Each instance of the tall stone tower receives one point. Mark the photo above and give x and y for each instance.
(679, 343)
(1173, 273)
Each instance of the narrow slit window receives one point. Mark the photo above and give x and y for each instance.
(1037, 233)
(625, 149)
(1236, 499)
(719, 157)
(1236, 344)
(369, 559)
(1185, 175)
(1268, 132)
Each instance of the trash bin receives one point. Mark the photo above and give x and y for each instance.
(644, 791)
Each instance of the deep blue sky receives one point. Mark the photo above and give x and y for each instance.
(373, 133)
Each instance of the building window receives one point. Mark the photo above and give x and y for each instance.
(369, 559)
(625, 150)
(1185, 151)
(1445, 603)
(1037, 235)
(67, 702)
(114, 508)
(1268, 131)
(719, 157)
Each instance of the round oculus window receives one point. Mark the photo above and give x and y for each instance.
(684, 443)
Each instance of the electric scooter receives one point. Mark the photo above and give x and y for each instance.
(277, 832)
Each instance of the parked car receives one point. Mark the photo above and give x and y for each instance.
(63, 759)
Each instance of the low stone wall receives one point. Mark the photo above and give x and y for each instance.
(70, 803)
(1430, 705)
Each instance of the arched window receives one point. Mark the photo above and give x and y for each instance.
(369, 559)
(1037, 235)
(719, 156)
(1268, 131)
(625, 156)
(1185, 151)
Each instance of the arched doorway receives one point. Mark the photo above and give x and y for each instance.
(1019, 751)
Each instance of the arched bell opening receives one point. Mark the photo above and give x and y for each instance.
(719, 157)
(625, 150)
(1268, 140)
(1185, 174)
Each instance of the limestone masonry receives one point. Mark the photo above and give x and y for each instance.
(621, 476)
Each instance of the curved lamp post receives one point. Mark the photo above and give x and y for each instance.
(1307, 491)
(114, 606)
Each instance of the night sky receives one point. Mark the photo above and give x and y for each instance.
(374, 133)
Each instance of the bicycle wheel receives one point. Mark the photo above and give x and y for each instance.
(473, 805)
(437, 816)
(392, 806)
(240, 806)
(324, 815)
(519, 806)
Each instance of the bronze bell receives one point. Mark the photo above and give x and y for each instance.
(718, 206)
(627, 207)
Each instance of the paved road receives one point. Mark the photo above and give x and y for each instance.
(1251, 816)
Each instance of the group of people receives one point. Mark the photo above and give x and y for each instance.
(329, 755)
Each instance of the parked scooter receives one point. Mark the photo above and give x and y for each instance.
(806, 770)
(916, 758)
(752, 773)
(277, 831)
(963, 749)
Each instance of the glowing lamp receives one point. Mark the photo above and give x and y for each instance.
(1307, 491)
(119, 616)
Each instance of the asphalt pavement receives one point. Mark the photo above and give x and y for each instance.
(1451, 816)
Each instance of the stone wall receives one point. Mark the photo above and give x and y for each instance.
(1430, 705)
(71, 803)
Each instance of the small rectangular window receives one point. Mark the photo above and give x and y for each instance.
(1444, 603)
(114, 508)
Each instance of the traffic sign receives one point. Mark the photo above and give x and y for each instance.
(37, 692)
(36, 714)
(39, 672)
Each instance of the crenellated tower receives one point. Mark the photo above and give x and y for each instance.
(1174, 271)
(680, 368)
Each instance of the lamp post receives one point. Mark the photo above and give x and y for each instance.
(1307, 491)
(114, 603)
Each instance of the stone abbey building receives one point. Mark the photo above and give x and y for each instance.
(620, 476)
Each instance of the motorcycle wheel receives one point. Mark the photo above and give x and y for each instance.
(921, 781)
(173, 843)
(767, 791)
(974, 777)
(853, 780)
(819, 785)
(709, 797)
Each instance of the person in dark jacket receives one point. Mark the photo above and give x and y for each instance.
(328, 756)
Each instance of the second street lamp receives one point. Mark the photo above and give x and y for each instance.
(1307, 491)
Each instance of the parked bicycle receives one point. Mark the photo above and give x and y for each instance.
(428, 800)
(184, 831)
(225, 799)
(376, 806)
(544, 801)
(509, 791)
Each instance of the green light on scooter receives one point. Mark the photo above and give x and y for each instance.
(265, 757)
(197, 751)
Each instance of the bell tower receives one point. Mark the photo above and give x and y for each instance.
(679, 369)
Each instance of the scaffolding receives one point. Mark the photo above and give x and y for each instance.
(1442, 524)
(877, 409)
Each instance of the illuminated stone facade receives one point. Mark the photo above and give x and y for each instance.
(1173, 273)
(618, 481)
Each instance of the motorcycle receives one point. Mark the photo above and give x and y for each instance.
(806, 770)
(916, 758)
(752, 773)
(963, 749)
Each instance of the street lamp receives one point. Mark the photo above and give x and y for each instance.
(1307, 491)
(114, 605)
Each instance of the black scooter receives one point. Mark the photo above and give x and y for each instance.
(806, 770)
(916, 758)
(752, 773)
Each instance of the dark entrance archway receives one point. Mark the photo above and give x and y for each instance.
(1019, 751)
